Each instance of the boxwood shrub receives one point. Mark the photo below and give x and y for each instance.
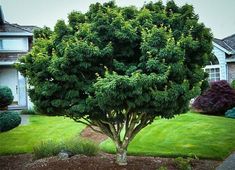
(6, 97)
(9, 120)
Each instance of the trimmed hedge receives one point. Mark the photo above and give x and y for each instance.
(9, 120)
(6, 97)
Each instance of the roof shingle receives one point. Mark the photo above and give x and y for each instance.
(228, 43)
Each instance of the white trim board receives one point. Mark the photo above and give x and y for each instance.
(16, 34)
(7, 63)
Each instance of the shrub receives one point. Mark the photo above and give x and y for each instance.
(53, 148)
(230, 113)
(9, 120)
(182, 164)
(233, 84)
(217, 99)
(6, 97)
(81, 146)
(28, 112)
(47, 149)
(162, 168)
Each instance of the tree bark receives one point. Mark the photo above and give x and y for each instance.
(121, 156)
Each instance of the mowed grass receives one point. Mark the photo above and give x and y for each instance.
(187, 135)
(41, 128)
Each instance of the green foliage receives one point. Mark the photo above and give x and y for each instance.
(6, 97)
(9, 120)
(162, 168)
(28, 112)
(233, 84)
(81, 146)
(43, 33)
(182, 164)
(230, 113)
(47, 149)
(74, 146)
(124, 66)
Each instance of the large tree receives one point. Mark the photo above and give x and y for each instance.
(119, 67)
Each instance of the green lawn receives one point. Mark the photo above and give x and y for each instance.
(23, 138)
(189, 134)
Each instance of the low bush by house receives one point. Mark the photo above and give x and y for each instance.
(233, 84)
(9, 120)
(182, 163)
(230, 113)
(28, 112)
(72, 147)
(216, 100)
(6, 97)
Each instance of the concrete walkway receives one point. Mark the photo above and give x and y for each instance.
(228, 163)
(24, 119)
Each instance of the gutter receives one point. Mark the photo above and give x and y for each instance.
(16, 34)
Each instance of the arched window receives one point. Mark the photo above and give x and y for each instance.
(213, 69)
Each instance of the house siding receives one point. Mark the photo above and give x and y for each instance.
(220, 55)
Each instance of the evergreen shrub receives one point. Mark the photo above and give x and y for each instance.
(6, 97)
(230, 113)
(9, 120)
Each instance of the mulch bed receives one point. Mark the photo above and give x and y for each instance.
(100, 162)
(103, 161)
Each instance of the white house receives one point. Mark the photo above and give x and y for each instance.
(15, 40)
(224, 67)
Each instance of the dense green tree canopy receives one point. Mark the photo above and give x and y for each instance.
(119, 67)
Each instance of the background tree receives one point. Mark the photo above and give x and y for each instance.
(118, 68)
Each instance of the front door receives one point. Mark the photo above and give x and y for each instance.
(11, 78)
(22, 90)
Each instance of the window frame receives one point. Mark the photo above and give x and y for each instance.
(213, 71)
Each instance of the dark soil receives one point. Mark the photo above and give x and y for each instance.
(88, 133)
(102, 161)
(99, 162)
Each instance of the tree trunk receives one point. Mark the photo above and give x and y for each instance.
(121, 157)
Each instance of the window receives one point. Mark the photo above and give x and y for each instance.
(13, 44)
(214, 72)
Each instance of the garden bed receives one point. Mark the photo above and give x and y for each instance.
(99, 162)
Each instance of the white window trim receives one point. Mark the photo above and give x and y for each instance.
(211, 66)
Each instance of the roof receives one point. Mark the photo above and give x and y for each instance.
(227, 43)
(230, 41)
(7, 27)
(14, 29)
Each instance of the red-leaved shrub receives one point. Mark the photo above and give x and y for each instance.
(219, 98)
